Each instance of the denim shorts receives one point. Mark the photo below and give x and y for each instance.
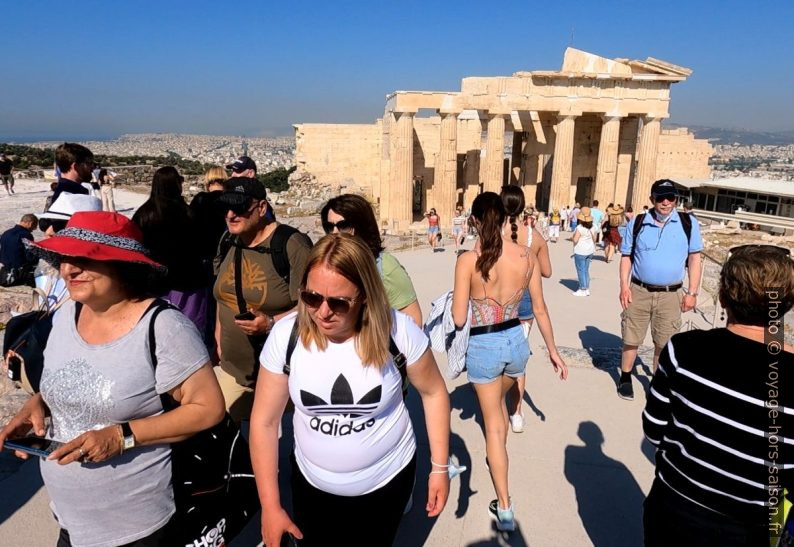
(525, 307)
(432, 230)
(494, 354)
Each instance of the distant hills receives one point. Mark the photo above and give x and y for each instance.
(721, 135)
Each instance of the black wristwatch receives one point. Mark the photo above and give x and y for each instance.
(128, 436)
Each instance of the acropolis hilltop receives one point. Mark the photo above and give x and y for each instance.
(591, 130)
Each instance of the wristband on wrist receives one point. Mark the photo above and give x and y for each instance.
(438, 464)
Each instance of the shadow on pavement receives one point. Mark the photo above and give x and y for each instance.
(605, 350)
(609, 498)
(649, 451)
(502, 539)
(570, 284)
(20, 486)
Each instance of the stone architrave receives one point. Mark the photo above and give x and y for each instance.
(563, 162)
(646, 162)
(446, 169)
(494, 153)
(604, 190)
(402, 168)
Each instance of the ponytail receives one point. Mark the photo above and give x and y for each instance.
(513, 202)
(489, 211)
(513, 229)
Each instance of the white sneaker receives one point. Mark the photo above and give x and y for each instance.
(580, 292)
(517, 423)
(587, 291)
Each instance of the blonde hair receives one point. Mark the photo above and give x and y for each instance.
(214, 173)
(350, 257)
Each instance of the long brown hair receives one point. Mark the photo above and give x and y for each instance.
(350, 257)
(489, 211)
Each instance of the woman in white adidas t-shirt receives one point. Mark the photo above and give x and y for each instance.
(355, 450)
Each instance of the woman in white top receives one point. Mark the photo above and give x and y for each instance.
(355, 450)
(583, 250)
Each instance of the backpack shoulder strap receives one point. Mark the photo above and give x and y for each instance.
(400, 362)
(278, 250)
(291, 343)
(638, 222)
(157, 306)
(686, 224)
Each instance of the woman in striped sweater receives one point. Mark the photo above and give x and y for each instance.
(718, 416)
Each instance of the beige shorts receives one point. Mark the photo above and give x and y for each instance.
(662, 310)
(239, 399)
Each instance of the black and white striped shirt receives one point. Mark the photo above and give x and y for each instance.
(710, 413)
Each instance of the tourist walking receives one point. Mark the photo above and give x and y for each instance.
(106, 185)
(110, 483)
(612, 237)
(169, 232)
(491, 280)
(7, 173)
(712, 413)
(555, 220)
(459, 222)
(355, 449)
(564, 220)
(352, 214)
(659, 248)
(598, 220)
(572, 217)
(261, 265)
(522, 234)
(16, 266)
(75, 163)
(433, 228)
(583, 249)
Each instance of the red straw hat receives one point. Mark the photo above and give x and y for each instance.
(96, 235)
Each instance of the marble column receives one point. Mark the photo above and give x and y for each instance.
(516, 157)
(604, 190)
(646, 162)
(402, 170)
(494, 153)
(563, 162)
(446, 169)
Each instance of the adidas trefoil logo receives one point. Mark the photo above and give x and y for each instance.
(343, 408)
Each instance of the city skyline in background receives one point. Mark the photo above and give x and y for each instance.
(93, 70)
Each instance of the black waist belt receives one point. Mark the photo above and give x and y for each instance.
(657, 288)
(497, 327)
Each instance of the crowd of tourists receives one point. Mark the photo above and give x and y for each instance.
(255, 320)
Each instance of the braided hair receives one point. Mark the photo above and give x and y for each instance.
(513, 202)
(487, 208)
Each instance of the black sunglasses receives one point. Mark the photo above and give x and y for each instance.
(243, 209)
(668, 197)
(342, 226)
(57, 225)
(340, 305)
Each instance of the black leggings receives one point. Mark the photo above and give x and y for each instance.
(370, 520)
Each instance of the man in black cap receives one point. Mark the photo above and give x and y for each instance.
(261, 267)
(658, 248)
(243, 167)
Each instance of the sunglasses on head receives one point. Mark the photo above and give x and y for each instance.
(342, 226)
(243, 209)
(663, 197)
(340, 305)
(57, 225)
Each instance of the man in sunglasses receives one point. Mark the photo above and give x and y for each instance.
(259, 275)
(658, 248)
(76, 164)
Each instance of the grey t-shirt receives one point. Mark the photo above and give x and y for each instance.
(93, 386)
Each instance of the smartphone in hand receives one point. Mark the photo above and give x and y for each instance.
(37, 446)
(245, 316)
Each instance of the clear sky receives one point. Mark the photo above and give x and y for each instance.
(102, 68)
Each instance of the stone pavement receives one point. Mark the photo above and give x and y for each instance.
(578, 474)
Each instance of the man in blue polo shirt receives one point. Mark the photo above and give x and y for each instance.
(652, 271)
(75, 162)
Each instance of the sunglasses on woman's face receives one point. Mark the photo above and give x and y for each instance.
(341, 226)
(340, 305)
(57, 225)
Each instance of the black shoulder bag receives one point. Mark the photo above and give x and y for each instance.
(212, 476)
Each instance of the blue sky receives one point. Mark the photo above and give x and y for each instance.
(94, 69)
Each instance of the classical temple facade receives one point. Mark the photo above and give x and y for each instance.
(591, 130)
